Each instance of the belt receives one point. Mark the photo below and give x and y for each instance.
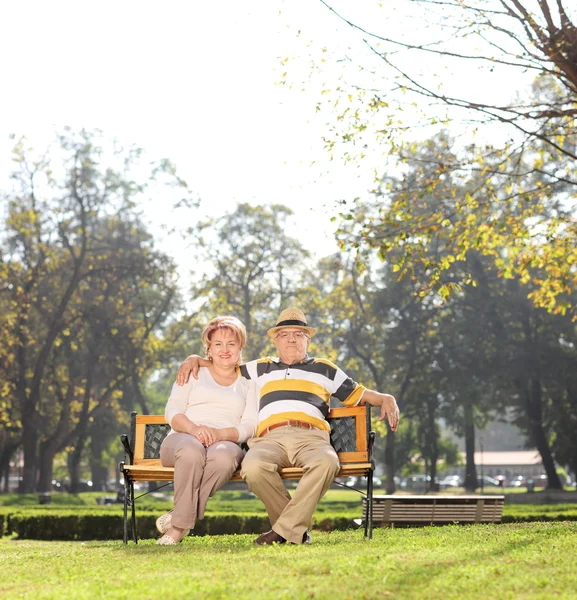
(289, 423)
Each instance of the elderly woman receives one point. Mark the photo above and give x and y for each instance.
(209, 416)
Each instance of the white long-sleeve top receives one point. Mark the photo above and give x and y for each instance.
(205, 402)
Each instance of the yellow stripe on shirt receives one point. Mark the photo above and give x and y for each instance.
(295, 385)
(355, 397)
(286, 416)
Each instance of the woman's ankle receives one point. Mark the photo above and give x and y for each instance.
(176, 533)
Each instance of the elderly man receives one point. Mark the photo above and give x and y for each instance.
(292, 430)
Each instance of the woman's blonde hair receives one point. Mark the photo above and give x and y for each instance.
(227, 322)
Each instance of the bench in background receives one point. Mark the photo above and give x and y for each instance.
(351, 437)
(434, 510)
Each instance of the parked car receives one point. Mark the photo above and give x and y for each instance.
(488, 481)
(361, 482)
(450, 481)
(518, 481)
(419, 482)
(540, 481)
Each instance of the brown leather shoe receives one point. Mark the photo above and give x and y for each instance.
(268, 538)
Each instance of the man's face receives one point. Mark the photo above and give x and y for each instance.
(291, 344)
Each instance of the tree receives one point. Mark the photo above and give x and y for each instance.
(520, 191)
(255, 268)
(479, 348)
(53, 252)
(514, 35)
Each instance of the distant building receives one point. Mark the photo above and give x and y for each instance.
(527, 463)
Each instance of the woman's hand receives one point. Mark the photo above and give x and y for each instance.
(205, 435)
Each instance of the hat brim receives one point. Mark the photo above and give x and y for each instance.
(271, 332)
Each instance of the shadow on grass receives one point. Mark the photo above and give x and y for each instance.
(434, 569)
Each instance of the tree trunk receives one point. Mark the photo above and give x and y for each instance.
(99, 472)
(471, 482)
(433, 443)
(29, 447)
(5, 457)
(46, 466)
(74, 459)
(390, 461)
(533, 402)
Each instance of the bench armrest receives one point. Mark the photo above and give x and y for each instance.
(127, 449)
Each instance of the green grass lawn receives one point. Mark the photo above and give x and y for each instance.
(513, 561)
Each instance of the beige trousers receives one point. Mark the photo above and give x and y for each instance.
(198, 473)
(290, 447)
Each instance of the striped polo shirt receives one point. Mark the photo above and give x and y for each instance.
(299, 391)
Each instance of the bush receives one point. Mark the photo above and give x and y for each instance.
(104, 525)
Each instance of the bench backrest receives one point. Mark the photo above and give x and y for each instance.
(349, 434)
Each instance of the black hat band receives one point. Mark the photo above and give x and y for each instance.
(291, 322)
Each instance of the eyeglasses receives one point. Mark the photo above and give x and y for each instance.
(285, 335)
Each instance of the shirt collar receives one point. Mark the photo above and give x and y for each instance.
(307, 360)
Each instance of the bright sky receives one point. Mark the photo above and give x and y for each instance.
(194, 82)
(191, 81)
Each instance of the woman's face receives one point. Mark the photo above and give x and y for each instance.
(224, 348)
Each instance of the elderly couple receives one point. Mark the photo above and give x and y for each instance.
(278, 404)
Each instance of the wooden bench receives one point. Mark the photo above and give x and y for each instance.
(434, 510)
(351, 437)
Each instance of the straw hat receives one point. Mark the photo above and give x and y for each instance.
(291, 317)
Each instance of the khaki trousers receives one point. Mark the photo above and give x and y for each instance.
(198, 473)
(309, 449)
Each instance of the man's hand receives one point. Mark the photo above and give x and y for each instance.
(190, 365)
(390, 410)
(388, 406)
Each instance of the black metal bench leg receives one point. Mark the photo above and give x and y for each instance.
(125, 532)
(134, 536)
(369, 520)
(369, 507)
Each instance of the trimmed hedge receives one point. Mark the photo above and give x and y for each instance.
(57, 525)
(538, 518)
(104, 524)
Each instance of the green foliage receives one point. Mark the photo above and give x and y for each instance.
(84, 294)
(106, 525)
(257, 269)
(507, 190)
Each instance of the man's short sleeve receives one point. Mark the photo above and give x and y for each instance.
(349, 392)
(249, 370)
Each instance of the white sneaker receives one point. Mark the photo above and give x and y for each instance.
(167, 540)
(164, 522)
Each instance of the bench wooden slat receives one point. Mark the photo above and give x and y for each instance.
(144, 471)
(428, 510)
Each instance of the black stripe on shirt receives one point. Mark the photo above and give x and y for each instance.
(319, 368)
(289, 395)
(345, 389)
(269, 367)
